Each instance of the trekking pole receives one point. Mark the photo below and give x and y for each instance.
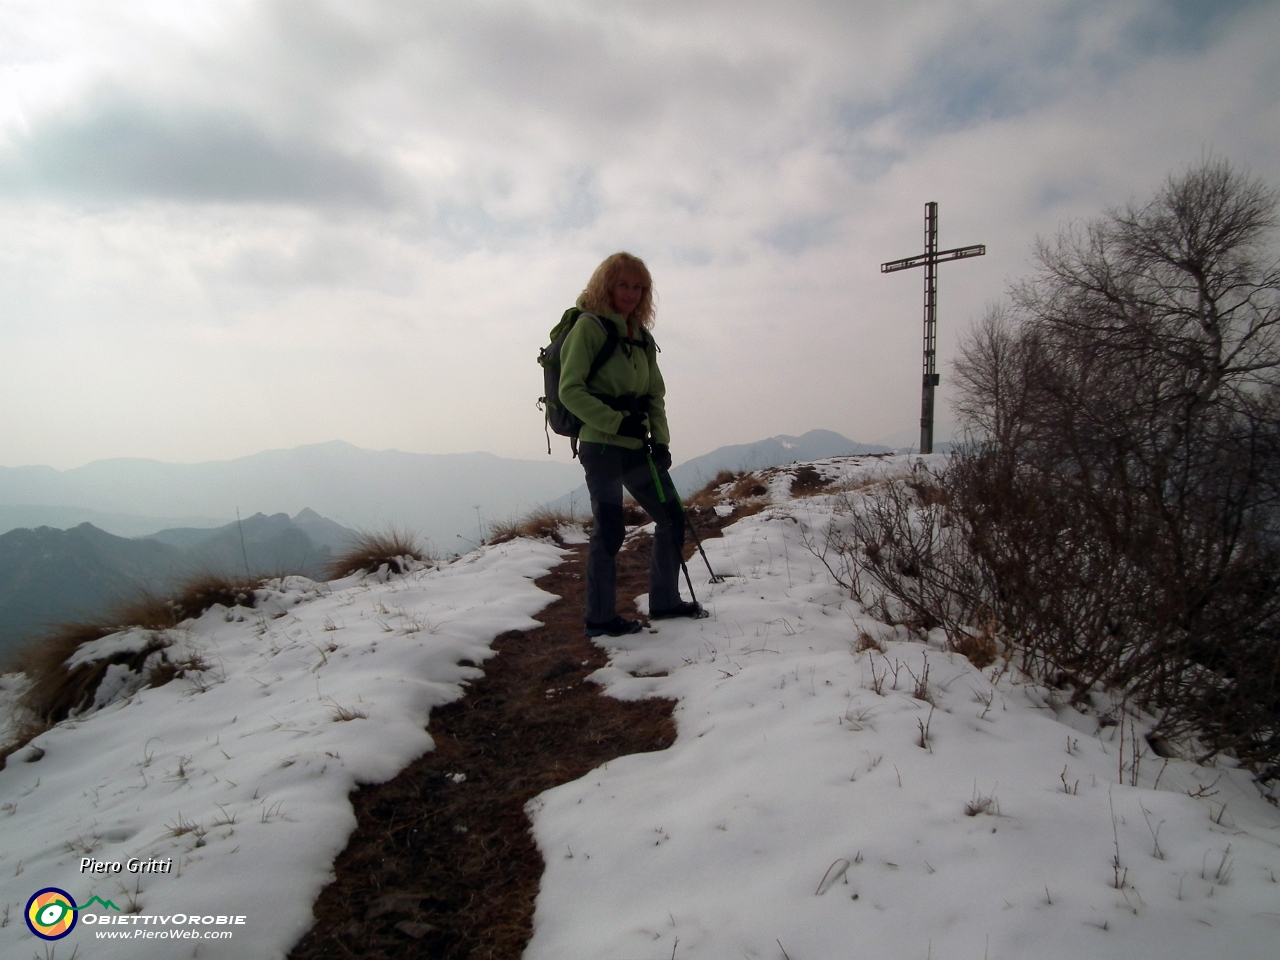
(662, 498)
(715, 577)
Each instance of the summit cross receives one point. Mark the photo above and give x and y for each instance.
(930, 259)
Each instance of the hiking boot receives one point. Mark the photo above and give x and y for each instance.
(684, 609)
(617, 627)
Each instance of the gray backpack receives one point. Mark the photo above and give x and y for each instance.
(558, 418)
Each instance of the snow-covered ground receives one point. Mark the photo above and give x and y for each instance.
(797, 815)
(238, 779)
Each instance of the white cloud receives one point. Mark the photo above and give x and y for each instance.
(294, 221)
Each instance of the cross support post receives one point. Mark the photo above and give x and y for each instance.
(930, 260)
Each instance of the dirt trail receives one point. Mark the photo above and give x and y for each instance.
(444, 867)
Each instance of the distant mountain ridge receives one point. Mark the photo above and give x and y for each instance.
(30, 516)
(435, 494)
(322, 531)
(444, 496)
(692, 475)
(49, 576)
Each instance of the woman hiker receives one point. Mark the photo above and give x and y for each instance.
(624, 422)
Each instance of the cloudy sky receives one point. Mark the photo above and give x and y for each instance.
(235, 225)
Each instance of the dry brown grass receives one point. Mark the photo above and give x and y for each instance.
(543, 523)
(979, 646)
(856, 486)
(371, 549)
(807, 482)
(57, 691)
(193, 597)
(747, 487)
(930, 492)
(866, 641)
(633, 514)
(729, 486)
(708, 496)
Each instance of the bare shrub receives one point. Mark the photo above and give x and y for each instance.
(369, 550)
(902, 558)
(1117, 515)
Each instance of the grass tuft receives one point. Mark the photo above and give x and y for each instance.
(866, 641)
(182, 826)
(807, 482)
(712, 493)
(980, 648)
(544, 523)
(167, 669)
(370, 550)
(342, 714)
(196, 595)
(748, 486)
(56, 691)
(982, 803)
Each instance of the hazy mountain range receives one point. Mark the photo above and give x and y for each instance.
(49, 576)
(432, 494)
(693, 474)
(815, 445)
(441, 496)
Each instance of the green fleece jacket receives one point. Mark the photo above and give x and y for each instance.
(630, 370)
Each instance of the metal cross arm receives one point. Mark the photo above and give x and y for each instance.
(959, 253)
(930, 259)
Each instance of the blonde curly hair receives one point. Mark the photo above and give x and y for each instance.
(597, 298)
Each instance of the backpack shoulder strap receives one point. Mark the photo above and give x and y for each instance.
(644, 341)
(607, 351)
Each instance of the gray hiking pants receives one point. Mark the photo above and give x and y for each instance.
(609, 469)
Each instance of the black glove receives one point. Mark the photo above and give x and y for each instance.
(632, 426)
(662, 456)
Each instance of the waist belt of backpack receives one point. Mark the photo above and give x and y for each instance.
(627, 403)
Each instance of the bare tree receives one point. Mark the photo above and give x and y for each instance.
(1000, 368)
(1119, 502)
